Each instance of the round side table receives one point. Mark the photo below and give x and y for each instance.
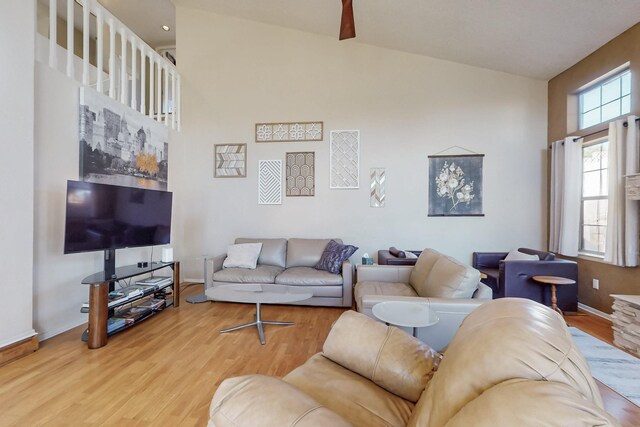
(553, 281)
(405, 314)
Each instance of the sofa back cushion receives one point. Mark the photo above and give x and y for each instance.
(542, 255)
(504, 339)
(439, 276)
(306, 252)
(391, 358)
(274, 251)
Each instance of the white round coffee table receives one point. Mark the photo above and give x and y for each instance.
(258, 294)
(406, 314)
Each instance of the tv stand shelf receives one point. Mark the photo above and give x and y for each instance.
(99, 311)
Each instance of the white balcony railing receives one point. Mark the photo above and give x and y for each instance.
(124, 79)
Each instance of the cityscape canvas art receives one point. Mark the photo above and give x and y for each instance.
(119, 145)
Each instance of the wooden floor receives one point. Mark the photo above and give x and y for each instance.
(165, 370)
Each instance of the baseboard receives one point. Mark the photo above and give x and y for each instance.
(18, 349)
(594, 311)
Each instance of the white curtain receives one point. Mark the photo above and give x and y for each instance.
(621, 246)
(566, 184)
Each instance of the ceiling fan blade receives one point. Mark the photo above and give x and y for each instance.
(347, 24)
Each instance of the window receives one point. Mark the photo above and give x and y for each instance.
(606, 100)
(594, 197)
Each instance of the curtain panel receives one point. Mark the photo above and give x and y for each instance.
(566, 185)
(621, 247)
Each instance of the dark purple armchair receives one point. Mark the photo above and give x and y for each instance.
(514, 278)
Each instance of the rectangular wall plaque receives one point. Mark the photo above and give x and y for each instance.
(289, 132)
(270, 182)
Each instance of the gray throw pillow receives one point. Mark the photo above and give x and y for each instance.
(333, 256)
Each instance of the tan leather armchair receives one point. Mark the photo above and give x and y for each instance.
(512, 363)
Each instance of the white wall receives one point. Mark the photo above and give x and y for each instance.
(58, 293)
(17, 28)
(236, 73)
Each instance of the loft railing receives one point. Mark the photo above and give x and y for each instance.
(158, 98)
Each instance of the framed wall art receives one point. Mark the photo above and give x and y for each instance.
(344, 159)
(230, 161)
(289, 132)
(455, 185)
(270, 182)
(300, 174)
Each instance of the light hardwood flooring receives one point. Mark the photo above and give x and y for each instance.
(165, 370)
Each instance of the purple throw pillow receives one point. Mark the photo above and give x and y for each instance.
(333, 256)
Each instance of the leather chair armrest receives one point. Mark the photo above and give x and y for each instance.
(384, 273)
(487, 259)
(254, 400)
(211, 265)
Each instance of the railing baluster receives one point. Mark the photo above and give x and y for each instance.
(112, 59)
(152, 88)
(123, 67)
(166, 96)
(178, 105)
(86, 9)
(159, 94)
(173, 99)
(99, 50)
(143, 80)
(70, 54)
(53, 34)
(134, 74)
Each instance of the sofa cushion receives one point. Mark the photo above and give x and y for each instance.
(440, 276)
(254, 400)
(504, 339)
(274, 251)
(333, 256)
(530, 404)
(382, 288)
(306, 252)
(307, 276)
(261, 274)
(391, 358)
(244, 255)
(351, 396)
(422, 268)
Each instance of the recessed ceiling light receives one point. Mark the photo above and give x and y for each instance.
(166, 28)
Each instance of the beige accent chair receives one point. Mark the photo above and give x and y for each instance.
(512, 363)
(450, 288)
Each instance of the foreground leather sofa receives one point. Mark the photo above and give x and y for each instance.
(449, 287)
(288, 262)
(512, 363)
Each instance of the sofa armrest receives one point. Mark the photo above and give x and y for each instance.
(347, 284)
(384, 273)
(254, 400)
(483, 292)
(390, 358)
(211, 265)
(487, 259)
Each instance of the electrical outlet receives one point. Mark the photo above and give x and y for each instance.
(596, 284)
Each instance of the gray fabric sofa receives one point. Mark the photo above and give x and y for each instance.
(288, 262)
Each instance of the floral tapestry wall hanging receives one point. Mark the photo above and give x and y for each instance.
(455, 185)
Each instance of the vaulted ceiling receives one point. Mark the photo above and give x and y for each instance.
(532, 38)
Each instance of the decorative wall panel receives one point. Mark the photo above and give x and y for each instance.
(270, 182)
(230, 160)
(378, 182)
(289, 132)
(300, 174)
(345, 159)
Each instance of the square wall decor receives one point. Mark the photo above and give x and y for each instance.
(300, 174)
(345, 159)
(230, 160)
(455, 185)
(270, 182)
(289, 131)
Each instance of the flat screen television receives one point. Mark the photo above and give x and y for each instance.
(108, 217)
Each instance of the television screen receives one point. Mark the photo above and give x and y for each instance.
(102, 216)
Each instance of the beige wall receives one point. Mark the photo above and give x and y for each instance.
(622, 49)
(236, 73)
(17, 28)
